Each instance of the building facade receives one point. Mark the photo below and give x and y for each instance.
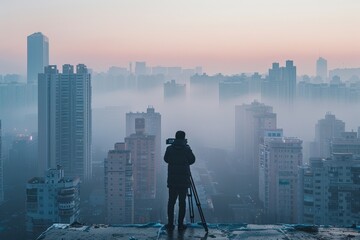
(119, 192)
(142, 148)
(251, 121)
(51, 199)
(280, 159)
(331, 190)
(64, 120)
(37, 56)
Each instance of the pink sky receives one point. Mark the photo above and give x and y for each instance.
(228, 36)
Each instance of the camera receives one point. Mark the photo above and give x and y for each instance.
(172, 140)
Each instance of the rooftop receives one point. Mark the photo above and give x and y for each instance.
(156, 231)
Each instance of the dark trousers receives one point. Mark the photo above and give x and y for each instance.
(174, 193)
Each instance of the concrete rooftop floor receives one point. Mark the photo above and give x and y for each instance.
(195, 231)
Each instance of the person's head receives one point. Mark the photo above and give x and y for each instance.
(180, 135)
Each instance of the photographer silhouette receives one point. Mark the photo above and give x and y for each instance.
(179, 157)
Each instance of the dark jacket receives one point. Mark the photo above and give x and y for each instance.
(179, 157)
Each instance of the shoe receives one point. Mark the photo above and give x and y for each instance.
(182, 227)
(169, 227)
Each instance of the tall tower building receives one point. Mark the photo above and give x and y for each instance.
(119, 192)
(325, 130)
(51, 199)
(37, 56)
(1, 171)
(322, 69)
(280, 159)
(140, 68)
(64, 120)
(142, 148)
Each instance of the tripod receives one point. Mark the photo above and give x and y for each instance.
(192, 191)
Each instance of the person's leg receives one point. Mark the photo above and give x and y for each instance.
(171, 204)
(182, 205)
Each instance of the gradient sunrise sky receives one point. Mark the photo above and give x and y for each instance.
(229, 36)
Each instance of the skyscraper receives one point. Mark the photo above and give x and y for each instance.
(64, 120)
(1, 172)
(321, 69)
(119, 191)
(280, 159)
(142, 148)
(251, 122)
(37, 55)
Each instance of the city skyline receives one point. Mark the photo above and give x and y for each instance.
(230, 37)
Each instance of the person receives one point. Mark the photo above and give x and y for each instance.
(179, 157)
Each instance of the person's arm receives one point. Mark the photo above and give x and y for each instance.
(167, 155)
(190, 156)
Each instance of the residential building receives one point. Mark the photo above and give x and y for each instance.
(119, 192)
(173, 90)
(251, 121)
(142, 148)
(64, 120)
(331, 190)
(325, 130)
(51, 199)
(280, 159)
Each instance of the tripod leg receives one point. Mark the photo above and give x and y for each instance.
(198, 204)
(191, 205)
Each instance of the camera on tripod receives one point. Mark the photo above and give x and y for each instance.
(172, 140)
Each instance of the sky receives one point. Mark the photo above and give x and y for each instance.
(228, 36)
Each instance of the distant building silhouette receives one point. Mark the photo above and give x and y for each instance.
(322, 69)
(140, 68)
(64, 120)
(37, 56)
(119, 191)
(280, 159)
(173, 90)
(281, 83)
(51, 199)
(325, 130)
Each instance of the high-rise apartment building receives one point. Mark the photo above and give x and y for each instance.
(1, 171)
(251, 122)
(140, 68)
(325, 130)
(119, 192)
(281, 83)
(173, 90)
(142, 148)
(331, 190)
(37, 56)
(51, 199)
(321, 69)
(64, 120)
(280, 159)
(348, 142)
